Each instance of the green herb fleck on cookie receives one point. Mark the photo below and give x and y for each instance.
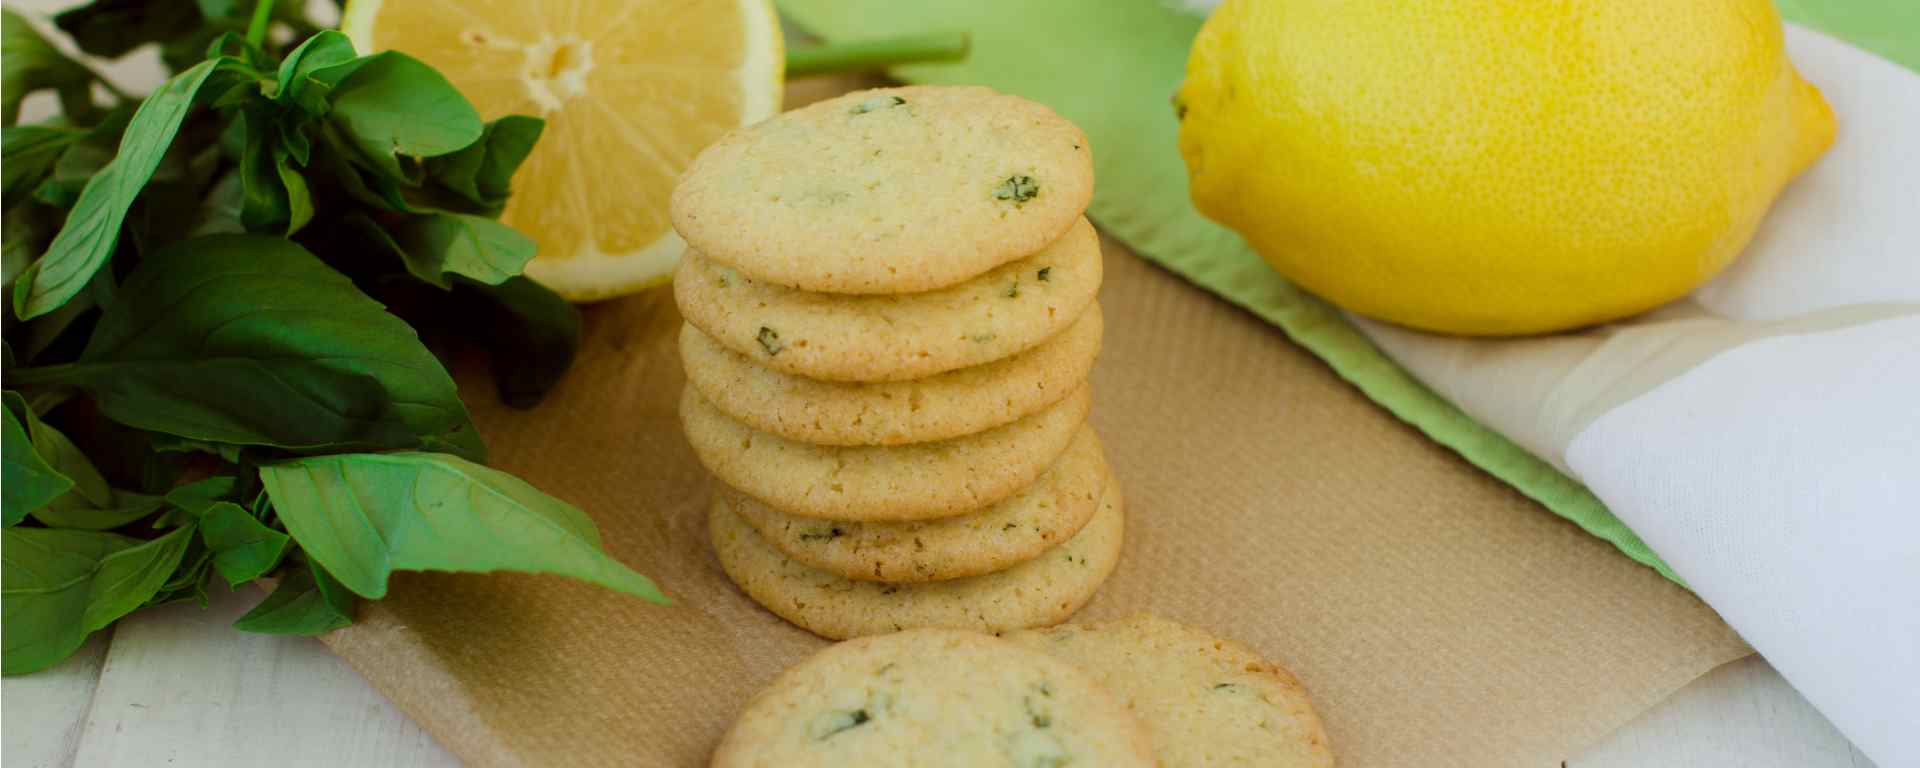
(877, 102)
(1039, 717)
(1013, 291)
(829, 723)
(1017, 188)
(1228, 687)
(770, 341)
(982, 338)
(1044, 275)
(827, 535)
(1038, 749)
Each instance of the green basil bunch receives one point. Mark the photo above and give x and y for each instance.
(202, 373)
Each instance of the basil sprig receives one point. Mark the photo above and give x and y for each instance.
(205, 374)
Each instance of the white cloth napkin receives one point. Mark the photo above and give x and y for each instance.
(1763, 435)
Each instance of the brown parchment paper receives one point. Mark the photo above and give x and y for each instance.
(1438, 617)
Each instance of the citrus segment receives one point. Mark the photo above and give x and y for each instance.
(631, 90)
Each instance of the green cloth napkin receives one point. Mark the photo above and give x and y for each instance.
(1112, 65)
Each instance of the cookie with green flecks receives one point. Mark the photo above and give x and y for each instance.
(891, 190)
(1040, 592)
(838, 337)
(933, 697)
(942, 406)
(1015, 530)
(917, 481)
(1206, 700)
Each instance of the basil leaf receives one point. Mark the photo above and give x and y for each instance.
(251, 340)
(93, 228)
(28, 482)
(438, 245)
(295, 84)
(482, 173)
(71, 172)
(189, 580)
(531, 336)
(263, 203)
(92, 504)
(364, 516)
(243, 548)
(393, 103)
(176, 444)
(190, 502)
(60, 453)
(125, 456)
(29, 153)
(219, 212)
(198, 496)
(299, 198)
(308, 601)
(58, 586)
(118, 509)
(31, 63)
(113, 28)
(24, 232)
(357, 175)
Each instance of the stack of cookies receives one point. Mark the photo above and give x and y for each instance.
(890, 320)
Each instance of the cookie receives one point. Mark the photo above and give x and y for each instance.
(1013, 531)
(933, 697)
(1207, 701)
(892, 190)
(1037, 593)
(903, 482)
(939, 407)
(892, 338)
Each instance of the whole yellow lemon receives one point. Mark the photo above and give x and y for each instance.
(1495, 166)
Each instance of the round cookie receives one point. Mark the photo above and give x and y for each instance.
(891, 190)
(904, 482)
(893, 338)
(940, 407)
(1207, 701)
(1013, 531)
(933, 697)
(1037, 593)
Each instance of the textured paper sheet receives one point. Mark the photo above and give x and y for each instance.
(1438, 617)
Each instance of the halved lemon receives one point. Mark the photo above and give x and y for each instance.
(631, 90)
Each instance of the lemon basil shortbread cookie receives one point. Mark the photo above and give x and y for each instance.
(892, 190)
(1206, 701)
(1015, 530)
(904, 482)
(892, 338)
(1037, 593)
(939, 407)
(933, 697)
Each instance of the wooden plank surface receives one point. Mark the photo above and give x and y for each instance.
(178, 686)
(181, 687)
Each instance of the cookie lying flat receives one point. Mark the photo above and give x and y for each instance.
(1207, 701)
(1016, 530)
(1037, 593)
(893, 190)
(933, 697)
(940, 407)
(893, 338)
(903, 482)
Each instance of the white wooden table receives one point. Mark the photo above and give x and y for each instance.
(178, 686)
